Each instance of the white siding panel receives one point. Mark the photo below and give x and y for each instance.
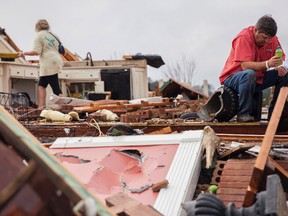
(182, 177)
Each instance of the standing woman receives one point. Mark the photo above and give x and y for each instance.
(46, 46)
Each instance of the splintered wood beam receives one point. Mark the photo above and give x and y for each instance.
(262, 157)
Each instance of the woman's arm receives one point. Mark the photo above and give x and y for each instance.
(29, 53)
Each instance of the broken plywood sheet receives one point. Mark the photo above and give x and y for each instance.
(175, 157)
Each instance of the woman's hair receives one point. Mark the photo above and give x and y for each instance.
(266, 24)
(42, 24)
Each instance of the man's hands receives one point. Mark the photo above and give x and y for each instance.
(281, 70)
(277, 62)
(274, 61)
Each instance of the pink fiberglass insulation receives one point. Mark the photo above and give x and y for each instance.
(106, 171)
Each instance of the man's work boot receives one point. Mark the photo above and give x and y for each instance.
(245, 118)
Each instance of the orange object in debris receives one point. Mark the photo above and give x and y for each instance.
(157, 187)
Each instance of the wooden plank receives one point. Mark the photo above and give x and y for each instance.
(118, 199)
(235, 150)
(34, 195)
(283, 164)
(122, 204)
(20, 138)
(279, 168)
(15, 185)
(142, 210)
(265, 148)
(69, 56)
(119, 209)
(166, 130)
(119, 202)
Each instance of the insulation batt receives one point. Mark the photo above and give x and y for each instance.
(110, 116)
(211, 142)
(55, 115)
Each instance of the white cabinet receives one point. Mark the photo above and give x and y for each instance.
(23, 71)
(16, 72)
(33, 74)
(80, 74)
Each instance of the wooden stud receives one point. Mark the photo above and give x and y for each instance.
(265, 148)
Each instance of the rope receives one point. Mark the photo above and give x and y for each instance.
(94, 123)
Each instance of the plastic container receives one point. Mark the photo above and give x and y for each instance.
(278, 52)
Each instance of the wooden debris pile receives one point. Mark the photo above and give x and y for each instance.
(140, 112)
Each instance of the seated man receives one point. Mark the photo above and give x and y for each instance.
(252, 66)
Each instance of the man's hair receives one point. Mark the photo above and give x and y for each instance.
(267, 25)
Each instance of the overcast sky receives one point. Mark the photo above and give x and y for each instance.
(110, 29)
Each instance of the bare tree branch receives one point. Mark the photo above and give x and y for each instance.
(182, 70)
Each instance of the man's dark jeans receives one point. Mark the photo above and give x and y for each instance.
(244, 84)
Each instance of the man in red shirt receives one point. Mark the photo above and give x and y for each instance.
(252, 66)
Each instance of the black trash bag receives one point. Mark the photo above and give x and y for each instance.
(22, 99)
(155, 61)
(190, 115)
(120, 130)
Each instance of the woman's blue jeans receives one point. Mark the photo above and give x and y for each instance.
(244, 84)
